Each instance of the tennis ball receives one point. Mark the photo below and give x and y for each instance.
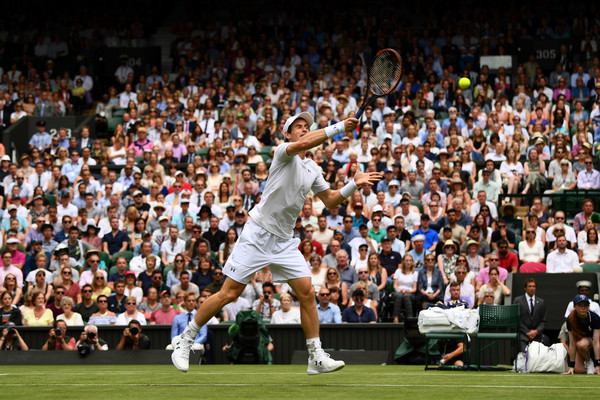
(464, 83)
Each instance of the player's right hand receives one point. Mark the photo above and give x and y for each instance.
(350, 124)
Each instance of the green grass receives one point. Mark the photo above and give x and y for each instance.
(283, 382)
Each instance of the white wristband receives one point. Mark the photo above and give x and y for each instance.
(348, 189)
(336, 129)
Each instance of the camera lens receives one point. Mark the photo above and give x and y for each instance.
(58, 331)
(91, 335)
(134, 331)
(12, 331)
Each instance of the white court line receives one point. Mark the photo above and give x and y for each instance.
(266, 372)
(287, 384)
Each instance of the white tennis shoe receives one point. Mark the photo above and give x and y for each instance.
(322, 364)
(181, 352)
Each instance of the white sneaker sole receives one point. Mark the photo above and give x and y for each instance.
(312, 371)
(173, 358)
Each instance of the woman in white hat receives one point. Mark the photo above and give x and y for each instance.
(447, 260)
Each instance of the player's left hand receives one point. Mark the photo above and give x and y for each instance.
(367, 178)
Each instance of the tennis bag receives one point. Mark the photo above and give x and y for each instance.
(458, 319)
(541, 358)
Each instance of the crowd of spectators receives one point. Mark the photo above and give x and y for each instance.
(110, 231)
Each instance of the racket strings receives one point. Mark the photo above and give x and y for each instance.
(385, 73)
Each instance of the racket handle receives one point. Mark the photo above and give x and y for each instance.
(359, 113)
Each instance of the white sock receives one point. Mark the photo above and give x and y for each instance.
(192, 330)
(314, 346)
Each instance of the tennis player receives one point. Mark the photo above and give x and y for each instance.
(267, 237)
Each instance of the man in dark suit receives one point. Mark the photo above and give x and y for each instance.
(533, 316)
(248, 199)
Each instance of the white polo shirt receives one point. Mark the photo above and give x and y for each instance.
(290, 180)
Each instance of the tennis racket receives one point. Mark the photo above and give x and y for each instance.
(383, 77)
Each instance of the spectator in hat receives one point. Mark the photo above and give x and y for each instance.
(65, 207)
(392, 196)
(12, 211)
(364, 238)
(17, 257)
(10, 339)
(359, 218)
(431, 236)
(40, 139)
(388, 176)
(166, 313)
(584, 288)
(158, 211)
(447, 260)
(583, 326)
(490, 187)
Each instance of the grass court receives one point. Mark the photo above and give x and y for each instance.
(283, 382)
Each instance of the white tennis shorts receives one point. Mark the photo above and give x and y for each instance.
(257, 248)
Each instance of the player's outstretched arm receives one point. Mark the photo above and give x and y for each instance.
(333, 198)
(315, 138)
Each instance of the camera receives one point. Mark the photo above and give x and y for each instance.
(84, 349)
(11, 332)
(91, 335)
(58, 331)
(134, 330)
(266, 297)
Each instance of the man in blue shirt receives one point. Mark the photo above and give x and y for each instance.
(348, 229)
(431, 236)
(358, 312)
(72, 167)
(182, 320)
(41, 139)
(328, 313)
(116, 240)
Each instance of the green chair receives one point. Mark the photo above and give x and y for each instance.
(166, 271)
(127, 254)
(266, 150)
(114, 270)
(51, 199)
(118, 113)
(113, 122)
(106, 258)
(494, 322)
(202, 151)
(590, 267)
(417, 204)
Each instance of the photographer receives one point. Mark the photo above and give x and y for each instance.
(11, 340)
(89, 341)
(266, 305)
(133, 339)
(58, 339)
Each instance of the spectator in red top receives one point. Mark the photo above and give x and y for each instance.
(165, 314)
(308, 233)
(508, 259)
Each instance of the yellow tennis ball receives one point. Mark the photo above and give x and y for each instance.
(464, 83)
